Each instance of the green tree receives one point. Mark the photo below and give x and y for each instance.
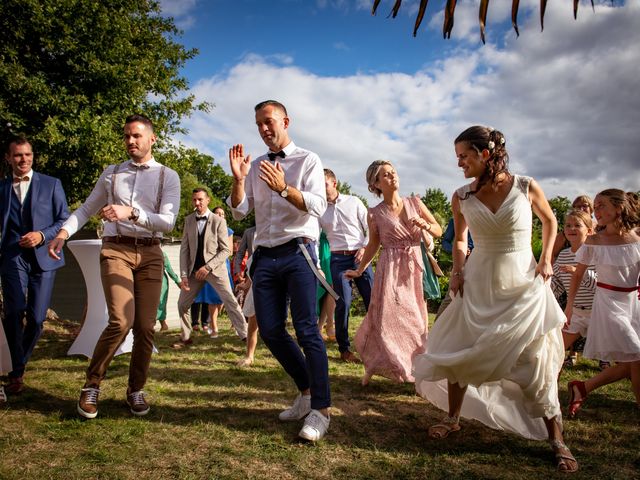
(72, 70)
(438, 203)
(560, 206)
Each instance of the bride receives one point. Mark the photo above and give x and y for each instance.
(499, 344)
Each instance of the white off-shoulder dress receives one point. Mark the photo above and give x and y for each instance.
(614, 329)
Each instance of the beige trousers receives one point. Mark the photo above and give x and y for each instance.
(132, 280)
(229, 300)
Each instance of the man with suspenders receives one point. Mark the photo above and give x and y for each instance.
(138, 200)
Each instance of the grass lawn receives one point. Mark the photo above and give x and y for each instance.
(210, 419)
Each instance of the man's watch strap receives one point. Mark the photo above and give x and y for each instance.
(135, 214)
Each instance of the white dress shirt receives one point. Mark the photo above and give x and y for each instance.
(21, 188)
(201, 224)
(278, 221)
(345, 223)
(134, 187)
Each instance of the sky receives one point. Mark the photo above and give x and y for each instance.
(360, 87)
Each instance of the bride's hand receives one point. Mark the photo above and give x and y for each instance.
(545, 270)
(456, 283)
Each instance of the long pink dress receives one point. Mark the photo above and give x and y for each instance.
(394, 330)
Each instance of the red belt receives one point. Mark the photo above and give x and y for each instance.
(145, 241)
(619, 289)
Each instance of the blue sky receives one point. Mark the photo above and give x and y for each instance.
(360, 88)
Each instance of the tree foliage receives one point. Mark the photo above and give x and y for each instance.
(438, 203)
(72, 70)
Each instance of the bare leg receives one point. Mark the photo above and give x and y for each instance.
(330, 313)
(569, 339)
(564, 459)
(612, 374)
(634, 371)
(252, 342)
(214, 310)
(450, 423)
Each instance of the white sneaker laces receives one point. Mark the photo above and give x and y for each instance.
(92, 395)
(313, 420)
(137, 398)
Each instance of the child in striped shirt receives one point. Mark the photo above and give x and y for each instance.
(578, 225)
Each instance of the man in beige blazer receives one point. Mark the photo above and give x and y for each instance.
(203, 254)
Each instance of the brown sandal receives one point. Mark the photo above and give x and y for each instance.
(446, 426)
(563, 455)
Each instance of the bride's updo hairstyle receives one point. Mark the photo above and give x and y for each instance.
(482, 138)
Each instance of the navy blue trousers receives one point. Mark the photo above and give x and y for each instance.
(282, 272)
(26, 292)
(342, 285)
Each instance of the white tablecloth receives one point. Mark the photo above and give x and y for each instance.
(87, 253)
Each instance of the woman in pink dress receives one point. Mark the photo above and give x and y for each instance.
(394, 330)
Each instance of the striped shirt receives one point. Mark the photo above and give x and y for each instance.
(561, 281)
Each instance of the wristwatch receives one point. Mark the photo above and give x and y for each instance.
(284, 193)
(135, 214)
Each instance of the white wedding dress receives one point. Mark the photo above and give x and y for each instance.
(503, 337)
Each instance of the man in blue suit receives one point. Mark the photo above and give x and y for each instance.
(33, 207)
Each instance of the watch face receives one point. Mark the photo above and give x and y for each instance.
(284, 192)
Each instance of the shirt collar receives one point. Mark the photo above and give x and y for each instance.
(289, 149)
(338, 198)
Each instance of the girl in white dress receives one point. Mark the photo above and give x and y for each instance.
(499, 344)
(614, 330)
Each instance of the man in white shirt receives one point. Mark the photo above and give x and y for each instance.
(345, 224)
(286, 189)
(138, 200)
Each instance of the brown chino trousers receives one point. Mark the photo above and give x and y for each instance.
(132, 280)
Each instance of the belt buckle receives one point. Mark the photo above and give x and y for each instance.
(139, 241)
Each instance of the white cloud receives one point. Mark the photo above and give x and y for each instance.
(181, 11)
(566, 99)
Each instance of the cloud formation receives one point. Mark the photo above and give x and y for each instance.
(566, 100)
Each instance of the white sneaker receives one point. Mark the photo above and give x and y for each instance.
(315, 426)
(300, 409)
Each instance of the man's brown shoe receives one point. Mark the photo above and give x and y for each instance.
(15, 386)
(137, 403)
(182, 344)
(349, 357)
(88, 402)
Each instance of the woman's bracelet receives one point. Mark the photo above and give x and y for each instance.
(428, 227)
(456, 274)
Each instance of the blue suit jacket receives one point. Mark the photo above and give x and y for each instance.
(48, 211)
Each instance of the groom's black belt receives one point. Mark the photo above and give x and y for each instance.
(284, 248)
